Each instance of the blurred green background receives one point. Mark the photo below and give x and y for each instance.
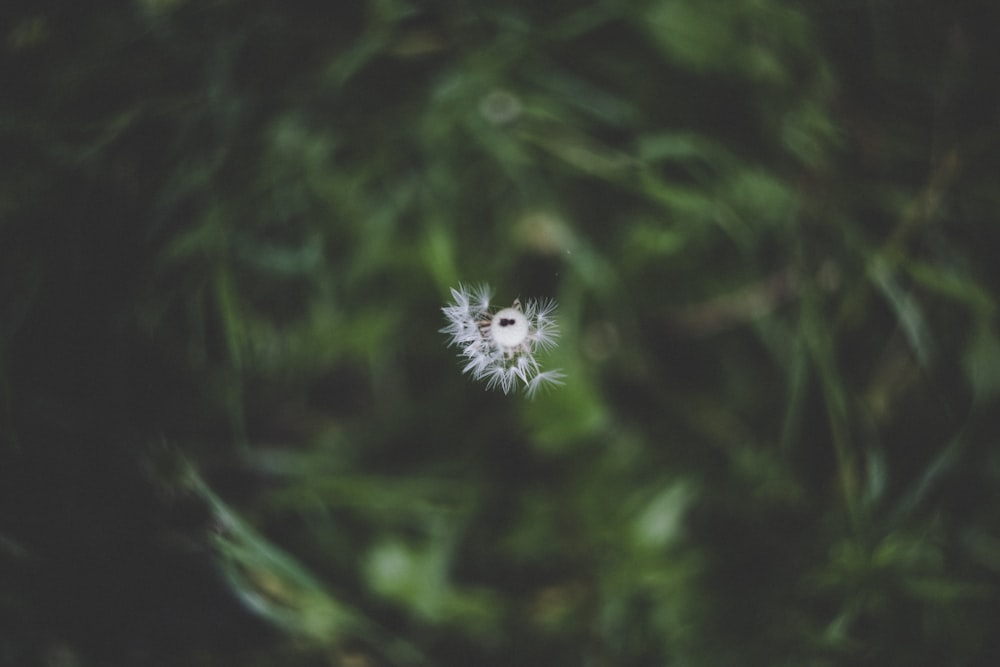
(231, 432)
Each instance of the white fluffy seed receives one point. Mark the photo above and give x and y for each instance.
(509, 328)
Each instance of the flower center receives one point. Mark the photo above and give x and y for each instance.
(509, 328)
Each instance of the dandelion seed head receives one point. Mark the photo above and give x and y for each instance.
(499, 345)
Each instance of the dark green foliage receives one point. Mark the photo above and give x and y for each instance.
(231, 434)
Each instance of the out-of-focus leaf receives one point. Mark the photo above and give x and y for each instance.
(681, 146)
(982, 364)
(275, 585)
(693, 34)
(660, 522)
(952, 282)
(940, 590)
(908, 311)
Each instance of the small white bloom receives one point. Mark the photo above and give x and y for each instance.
(500, 346)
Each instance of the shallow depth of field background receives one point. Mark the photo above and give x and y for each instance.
(231, 432)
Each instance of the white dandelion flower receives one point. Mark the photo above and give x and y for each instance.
(499, 345)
